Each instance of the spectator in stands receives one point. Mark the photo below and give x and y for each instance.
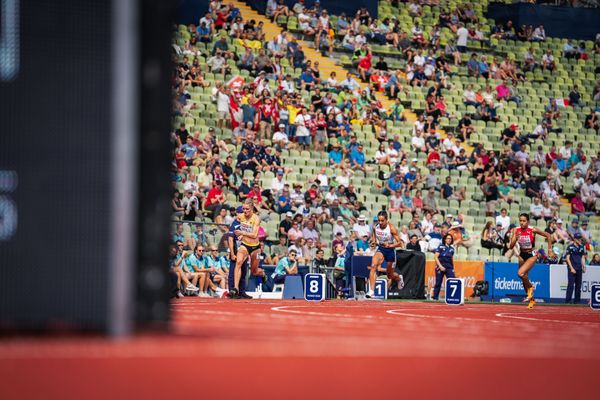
(177, 205)
(462, 38)
(469, 96)
(361, 228)
(577, 206)
(473, 66)
(460, 235)
(311, 233)
(490, 190)
(430, 203)
(392, 184)
(449, 193)
(413, 244)
(280, 9)
(560, 234)
(548, 62)
(536, 209)
(539, 34)
(490, 238)
(357, 159)
(529, 61)
(215, 200)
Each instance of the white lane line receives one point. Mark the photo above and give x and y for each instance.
(558, 321)
(450, 317)
(285, 309)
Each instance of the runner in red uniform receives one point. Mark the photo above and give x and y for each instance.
(525, 236)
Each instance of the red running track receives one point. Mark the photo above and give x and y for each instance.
(336, 349)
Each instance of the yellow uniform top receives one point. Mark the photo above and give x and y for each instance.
(247, 225)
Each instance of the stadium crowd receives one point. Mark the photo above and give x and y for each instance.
(282, 104)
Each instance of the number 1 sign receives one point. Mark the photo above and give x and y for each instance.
(455, 291)
(381, 289)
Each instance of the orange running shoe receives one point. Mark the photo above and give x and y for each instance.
(531, 303)
(529, 294)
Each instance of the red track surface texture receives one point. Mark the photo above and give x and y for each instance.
(299, 350)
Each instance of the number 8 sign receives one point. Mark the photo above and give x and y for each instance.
(455, 291)
(314, 287)
(595, 300)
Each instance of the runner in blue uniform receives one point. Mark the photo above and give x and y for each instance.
(444, 263)
(233, 244)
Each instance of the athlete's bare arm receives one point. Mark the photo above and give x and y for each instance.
(513, 238)
(548, 239)
(397, 241)
(373, 238)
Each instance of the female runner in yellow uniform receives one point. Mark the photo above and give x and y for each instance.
(250, 245)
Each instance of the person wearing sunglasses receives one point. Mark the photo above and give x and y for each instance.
(286, 266)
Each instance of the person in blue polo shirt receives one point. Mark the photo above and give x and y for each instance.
(286, 266)
(178, 235)
(220, 264)
(575, 259)
(444, 263)
(335, 156)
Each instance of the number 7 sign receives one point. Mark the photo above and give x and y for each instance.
(455, 291)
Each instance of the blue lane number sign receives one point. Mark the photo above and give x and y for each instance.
(314, 287)
(595, 301)
(455, 291)
(381, 289)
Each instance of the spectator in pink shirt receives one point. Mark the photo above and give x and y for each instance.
(503, 92)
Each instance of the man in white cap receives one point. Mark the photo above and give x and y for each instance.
(361, 228)
(561, 235)
(281, 139)
(412, 177)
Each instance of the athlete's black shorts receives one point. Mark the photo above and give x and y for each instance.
(250, 248)
(526, 255)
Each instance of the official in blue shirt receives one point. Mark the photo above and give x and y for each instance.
(575, 259)
(444, 263)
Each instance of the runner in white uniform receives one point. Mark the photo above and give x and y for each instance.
(386, 236)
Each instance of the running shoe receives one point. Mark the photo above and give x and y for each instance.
(233, 294)
(531, 303)
(244, 295)
(530, 293)
(191, 288)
